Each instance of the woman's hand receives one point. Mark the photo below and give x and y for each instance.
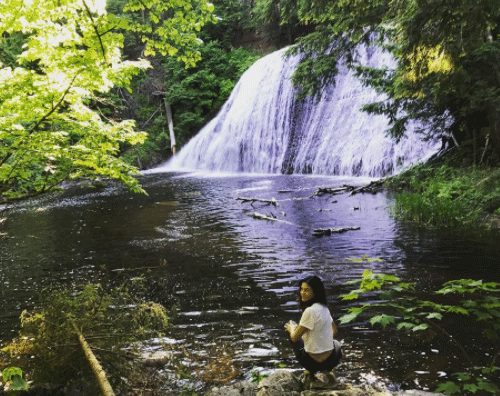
(294, 331)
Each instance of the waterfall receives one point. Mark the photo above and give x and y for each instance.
(262, 128)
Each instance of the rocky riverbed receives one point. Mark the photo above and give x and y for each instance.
(294, 383)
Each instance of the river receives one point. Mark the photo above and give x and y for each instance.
(234, 277)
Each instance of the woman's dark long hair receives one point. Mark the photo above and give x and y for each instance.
(318, 289)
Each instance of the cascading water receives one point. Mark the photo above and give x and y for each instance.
(262, 128)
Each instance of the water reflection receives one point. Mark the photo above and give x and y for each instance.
(233, 276)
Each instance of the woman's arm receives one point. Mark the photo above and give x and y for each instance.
(334, 328)
(295, 335)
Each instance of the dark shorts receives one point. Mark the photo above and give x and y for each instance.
(312, 365)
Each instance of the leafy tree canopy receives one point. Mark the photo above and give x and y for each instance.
(58, 59)
(448, 56)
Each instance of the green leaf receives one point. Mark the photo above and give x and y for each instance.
(469, 303)
(448, 387)
(488, 386)
(18, 383)
(481, 315)
(420, 327)
(383, 320)
(350, 296)
(350, 316)
(405, 325)
(9, 372)
(458, 310)
(471, 388)
(434, 315)
(463, 376)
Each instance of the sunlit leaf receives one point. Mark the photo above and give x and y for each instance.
(420, 327)
(405, 325)
(383, 320)
(350, 316)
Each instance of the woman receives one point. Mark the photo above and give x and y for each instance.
(312, 338)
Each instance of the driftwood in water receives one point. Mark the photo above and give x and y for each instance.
(372, 188)
(261, 216)
(330, 231)
(271, 201)
(332, 191)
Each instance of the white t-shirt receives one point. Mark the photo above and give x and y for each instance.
(318, 321)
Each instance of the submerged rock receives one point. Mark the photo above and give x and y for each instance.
(288, 383)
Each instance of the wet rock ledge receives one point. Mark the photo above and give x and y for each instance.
(288, 383)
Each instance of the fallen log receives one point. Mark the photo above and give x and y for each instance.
(332, 191)
(372, 187)
(330, 231)
(271, 201)
(97, 369)
(261, 216)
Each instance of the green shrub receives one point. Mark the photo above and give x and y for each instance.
(392, 302)
(445, 195)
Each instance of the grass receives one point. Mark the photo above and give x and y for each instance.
(444, 195)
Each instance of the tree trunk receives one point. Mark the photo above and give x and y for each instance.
(173, 145)
(494, 121)
(97, 369)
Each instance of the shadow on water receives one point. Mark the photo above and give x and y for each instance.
(234, 277)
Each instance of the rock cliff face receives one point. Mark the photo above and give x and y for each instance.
(292, 383)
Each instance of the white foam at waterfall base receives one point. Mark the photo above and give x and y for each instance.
(262, 128)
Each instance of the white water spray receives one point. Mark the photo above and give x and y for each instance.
(262, 128)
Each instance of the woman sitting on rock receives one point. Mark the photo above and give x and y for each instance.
(312, 338)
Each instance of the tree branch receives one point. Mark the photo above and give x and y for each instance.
(54, 108)
(95, 30)
(460, 346)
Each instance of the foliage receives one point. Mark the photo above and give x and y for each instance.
(195, 95)
(448, 58)
(278, 18)
(257, 376)
(445, 195)
(49, 128)
(13, 376)
(111, 321)
(170, 25)
(399, 305)
(10, 48)
(233, 18)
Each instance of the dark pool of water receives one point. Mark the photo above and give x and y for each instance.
(233, 276)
